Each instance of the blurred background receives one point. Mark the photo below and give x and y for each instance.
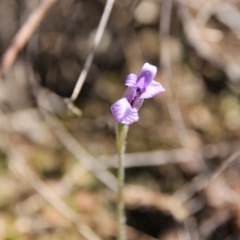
(57, 158)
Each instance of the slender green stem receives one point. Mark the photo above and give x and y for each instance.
(121, 141)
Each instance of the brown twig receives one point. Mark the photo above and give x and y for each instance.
(23, 35)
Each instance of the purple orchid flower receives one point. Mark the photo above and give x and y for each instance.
(125, 110)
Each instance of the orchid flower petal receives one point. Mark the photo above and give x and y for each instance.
(129, 94)
(137, 103)
(123, 112)
(119, 109)
(131, 80)
(146, 76)
(153, 89)
(131, 116)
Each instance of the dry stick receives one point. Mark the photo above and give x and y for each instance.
(69, 141)
(202, 180)
(172, 103)
(173, 156)
(224, 165)
(97, 39)
(18, 164)
(80, 154)
(155, 158)
(23, 35)
(165, 60)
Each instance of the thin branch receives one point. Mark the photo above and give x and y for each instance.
(235, 156)
(73, 146)
(80, 154)
(203, 180)
(173, 107)
(154, 158)
(173, 156)
(97, 39)
(23, 35)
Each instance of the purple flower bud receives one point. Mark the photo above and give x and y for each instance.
(140, 87)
